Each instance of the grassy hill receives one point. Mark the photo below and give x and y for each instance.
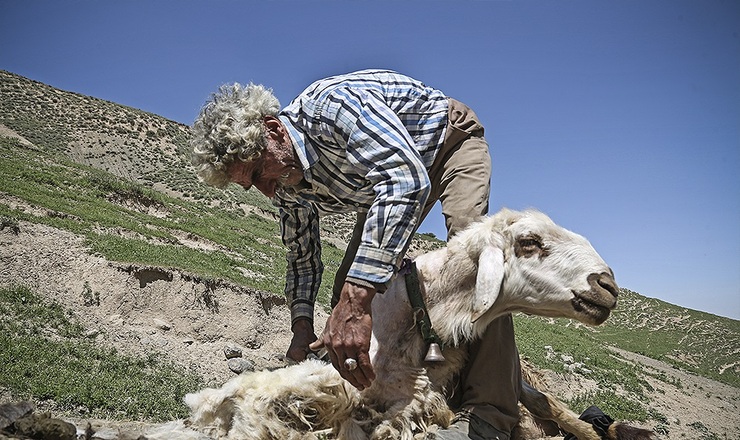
(128, 143)
(120, 178)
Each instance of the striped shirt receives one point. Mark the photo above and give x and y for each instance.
(365, 141)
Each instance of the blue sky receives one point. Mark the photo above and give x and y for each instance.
(621, 120)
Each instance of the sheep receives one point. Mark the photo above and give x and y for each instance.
(511, 261)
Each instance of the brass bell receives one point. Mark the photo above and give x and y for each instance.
(434, 353)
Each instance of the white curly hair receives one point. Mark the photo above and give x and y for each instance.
(230, 127)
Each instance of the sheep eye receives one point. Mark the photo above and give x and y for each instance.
(528, 246)
(529, 242)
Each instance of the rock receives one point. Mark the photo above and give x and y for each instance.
(106, 434)
(162, 325)
(154, 341)
(115, 319)
(43, 426)
(232, 351)
(240, 365)
(10, 412)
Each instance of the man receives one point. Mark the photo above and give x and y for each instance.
(387, 147)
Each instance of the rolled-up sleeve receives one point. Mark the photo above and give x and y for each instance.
(381, 149)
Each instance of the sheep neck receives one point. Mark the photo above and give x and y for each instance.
(421, 314)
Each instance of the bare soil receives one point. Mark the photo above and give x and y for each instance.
(150, 309)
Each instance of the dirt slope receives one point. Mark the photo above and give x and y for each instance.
(148, 309)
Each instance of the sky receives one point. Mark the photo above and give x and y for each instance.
(620, 120)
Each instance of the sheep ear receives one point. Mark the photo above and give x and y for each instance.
(488, 280)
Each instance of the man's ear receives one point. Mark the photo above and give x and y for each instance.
(488, 280)
(275, 128)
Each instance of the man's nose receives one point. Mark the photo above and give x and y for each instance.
(266, 187)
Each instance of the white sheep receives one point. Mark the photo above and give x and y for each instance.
(509, 262)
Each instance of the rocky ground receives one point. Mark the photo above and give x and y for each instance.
(195, 324)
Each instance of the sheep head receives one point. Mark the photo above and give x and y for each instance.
(551, 271)
(517, 261)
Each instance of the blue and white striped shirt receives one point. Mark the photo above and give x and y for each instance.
(365, 141)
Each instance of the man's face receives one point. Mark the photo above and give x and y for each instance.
(245, 173)
(274, 169)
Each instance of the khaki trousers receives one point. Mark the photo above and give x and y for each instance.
(489, 386)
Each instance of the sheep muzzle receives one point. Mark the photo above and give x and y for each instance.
(597, 302)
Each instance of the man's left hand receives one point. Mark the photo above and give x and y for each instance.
(347, 334)
(303, 335)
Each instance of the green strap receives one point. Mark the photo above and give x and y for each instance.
(421, 316)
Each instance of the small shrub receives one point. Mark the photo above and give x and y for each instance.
(704, 432)
(618, 407)
(10, 223)
(661, 429)
(90, 298)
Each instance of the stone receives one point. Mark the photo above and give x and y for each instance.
(232, 351)
(240, 365)
(10, 412)
(161, 324)
(43, 426)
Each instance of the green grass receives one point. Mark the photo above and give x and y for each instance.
(621, 387)
(97, 205)
(46, 356)
(618, 407)
(695, 341)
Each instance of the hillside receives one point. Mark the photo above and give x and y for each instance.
(104, 223)
(128, 143)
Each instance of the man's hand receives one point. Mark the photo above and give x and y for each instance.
(347, 334)
(302, 336)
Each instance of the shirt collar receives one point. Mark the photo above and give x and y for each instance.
(298, 140)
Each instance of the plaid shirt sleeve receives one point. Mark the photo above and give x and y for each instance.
(379, 147)
(300, 233)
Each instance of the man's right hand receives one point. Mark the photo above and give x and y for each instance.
(303, 335)
(348, 333)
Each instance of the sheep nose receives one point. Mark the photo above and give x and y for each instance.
(603, 283)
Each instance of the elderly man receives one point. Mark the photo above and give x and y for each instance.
(387, 147)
